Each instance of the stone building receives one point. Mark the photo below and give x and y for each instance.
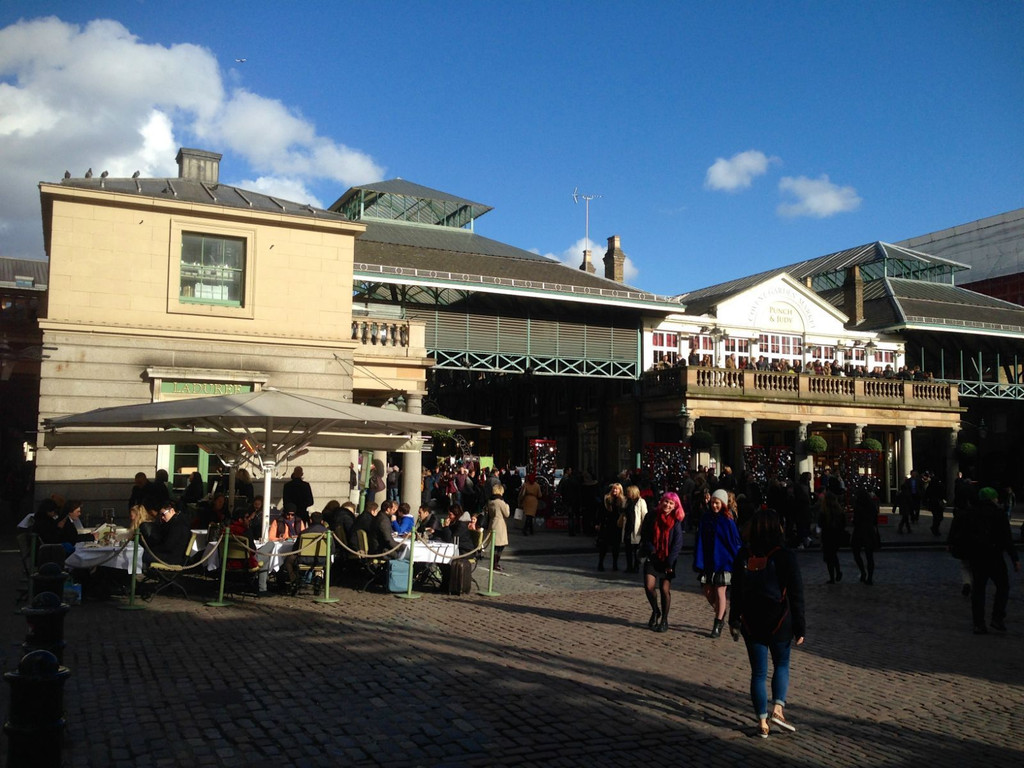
(182, 287)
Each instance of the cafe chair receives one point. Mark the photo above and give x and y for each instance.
(169, 575)
(311, 559)
(374, 567)
(241, 575)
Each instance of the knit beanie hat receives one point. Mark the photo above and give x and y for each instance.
(722, 495)
(988, 494)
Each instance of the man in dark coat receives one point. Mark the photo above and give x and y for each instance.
(297, 491)
(987, 537)
(167, 538)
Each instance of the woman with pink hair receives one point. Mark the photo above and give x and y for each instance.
(661, 541)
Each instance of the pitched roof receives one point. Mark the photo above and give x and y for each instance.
(409, 189)
(450, 257)
(897, 303)
(14, 271)
(700, 301)
(193, 191)
(993, 246)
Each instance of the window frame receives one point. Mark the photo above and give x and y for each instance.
(215, 307)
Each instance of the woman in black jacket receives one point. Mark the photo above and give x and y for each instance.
(768, 611)
(661, 541)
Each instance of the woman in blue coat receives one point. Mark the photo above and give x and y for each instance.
(718, 541)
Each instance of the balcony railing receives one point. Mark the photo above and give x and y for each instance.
(728, 383)
(381, 333)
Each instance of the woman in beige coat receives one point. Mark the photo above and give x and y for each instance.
(497, 513)
(529, 500)
(636, 509)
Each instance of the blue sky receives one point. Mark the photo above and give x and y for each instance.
(722, 138)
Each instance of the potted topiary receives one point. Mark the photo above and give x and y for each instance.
(701, 440)
(815, 444)
(967, 450)
(870, 444)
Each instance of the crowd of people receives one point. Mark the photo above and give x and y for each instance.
(744, 536)
(815, 366)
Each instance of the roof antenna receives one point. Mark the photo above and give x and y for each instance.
(586, 266)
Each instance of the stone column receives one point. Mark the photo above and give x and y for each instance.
(353, 490)
(748, 432)
(907, 452)
(804, 463)
(380, 461)
(952, 465)
(687, 422)
(856, 434)
(412, 465)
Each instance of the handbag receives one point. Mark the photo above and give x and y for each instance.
(518, 514)
(621, 522)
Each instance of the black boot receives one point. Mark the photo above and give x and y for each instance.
(655, 617)
(663, 626)
(716, 631)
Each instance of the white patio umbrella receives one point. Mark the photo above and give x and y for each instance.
(270, 427)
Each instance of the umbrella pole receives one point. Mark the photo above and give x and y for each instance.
(135, 568)
(220, 602)
(268, 477)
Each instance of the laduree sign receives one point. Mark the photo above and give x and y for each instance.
(203, 388)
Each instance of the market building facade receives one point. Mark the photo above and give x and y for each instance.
(168, 288)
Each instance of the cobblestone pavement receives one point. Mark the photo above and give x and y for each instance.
(559, 670)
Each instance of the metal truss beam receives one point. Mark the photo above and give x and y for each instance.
(460, 360)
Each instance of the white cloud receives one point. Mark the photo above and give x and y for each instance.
(818, 198)
(74, 97)
(573, 257)
(738, 172)
(282, 187)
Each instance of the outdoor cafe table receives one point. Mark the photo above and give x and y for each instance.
(272, 554)
(88, 555)
(428, 552)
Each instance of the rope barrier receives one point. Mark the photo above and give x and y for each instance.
(206, 556)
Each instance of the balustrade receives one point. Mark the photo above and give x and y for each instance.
(701, 380)
(381, 333)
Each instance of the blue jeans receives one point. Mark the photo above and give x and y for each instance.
(758, 654)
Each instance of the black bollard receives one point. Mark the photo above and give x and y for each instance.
(49, 578)
(35, 724)
(45, 625)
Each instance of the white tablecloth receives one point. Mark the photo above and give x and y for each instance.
(92, 555)
(271, 557)
(431, 552)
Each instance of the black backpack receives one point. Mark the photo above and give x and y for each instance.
(764, 599)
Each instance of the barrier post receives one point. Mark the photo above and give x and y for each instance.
(220, 602)
(132, 605)
(35, 723)
(31, 566)
(489, 592)
(409, 594)
(327, 574)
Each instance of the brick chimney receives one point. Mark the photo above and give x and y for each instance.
(587, 265)
(198, 165)
(853, 295)
(615, 260)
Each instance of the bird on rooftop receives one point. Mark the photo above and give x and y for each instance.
(135, 175)
(88, 174)
(104, 174)
(67, 174)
